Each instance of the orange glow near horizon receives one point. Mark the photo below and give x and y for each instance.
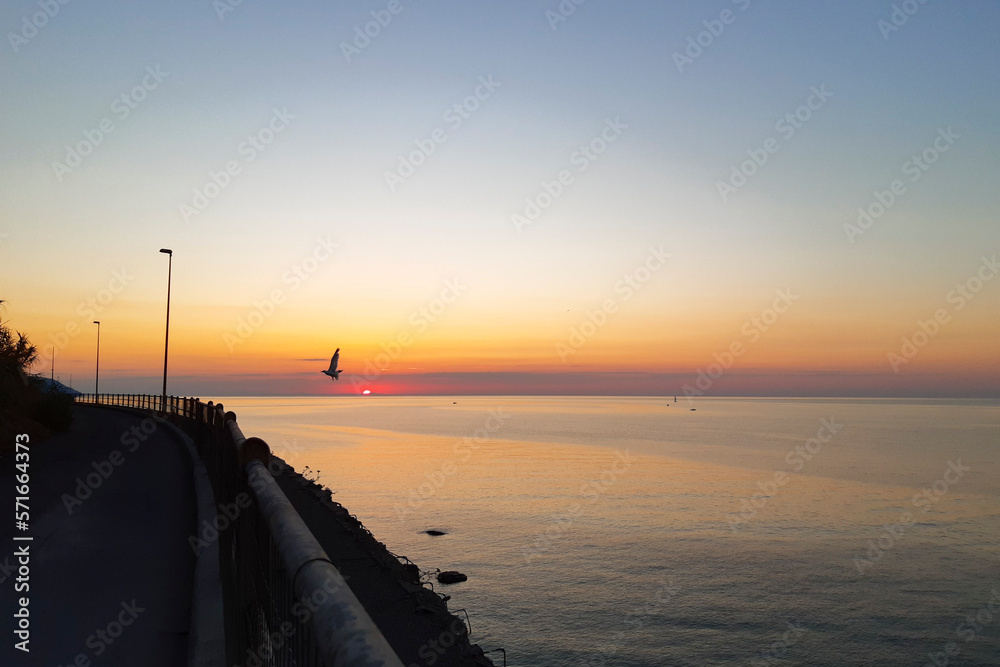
(390, 344)
(131, 346)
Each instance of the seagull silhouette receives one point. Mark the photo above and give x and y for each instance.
(332, 371)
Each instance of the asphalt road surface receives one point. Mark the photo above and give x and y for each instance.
(111, 505)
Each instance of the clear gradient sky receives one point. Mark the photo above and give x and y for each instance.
(310, 231)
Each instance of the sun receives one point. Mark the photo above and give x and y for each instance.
(366, 392)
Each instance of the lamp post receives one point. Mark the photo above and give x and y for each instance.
(97, 373)
(52, 370)
(166, 336)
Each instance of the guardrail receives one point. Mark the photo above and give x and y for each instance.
(285, 603)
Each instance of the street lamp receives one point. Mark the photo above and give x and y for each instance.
(97, 373)
(166, 337)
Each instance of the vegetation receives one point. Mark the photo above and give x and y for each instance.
(25, 400)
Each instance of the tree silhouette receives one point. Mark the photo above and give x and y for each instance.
(16, 351)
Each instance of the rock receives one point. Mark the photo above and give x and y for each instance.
(451, 577)
(435, 533)
(412, 572)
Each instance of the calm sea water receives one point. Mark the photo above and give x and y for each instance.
(633, 531)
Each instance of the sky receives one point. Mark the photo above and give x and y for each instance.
(645, 197)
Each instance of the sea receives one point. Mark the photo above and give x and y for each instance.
(644, 532)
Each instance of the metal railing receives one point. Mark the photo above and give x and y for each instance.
(285, 603)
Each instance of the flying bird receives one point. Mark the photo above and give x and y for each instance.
(332, 371)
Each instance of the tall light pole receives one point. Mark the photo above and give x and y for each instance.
(166, 336)
(97, 373)
(52, 371)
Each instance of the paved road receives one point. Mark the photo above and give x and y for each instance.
(111, 579)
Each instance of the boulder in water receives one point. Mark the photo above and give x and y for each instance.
(451, 577)
(435, 533)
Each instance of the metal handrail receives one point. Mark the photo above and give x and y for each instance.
(278, 561)
(343, 629)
